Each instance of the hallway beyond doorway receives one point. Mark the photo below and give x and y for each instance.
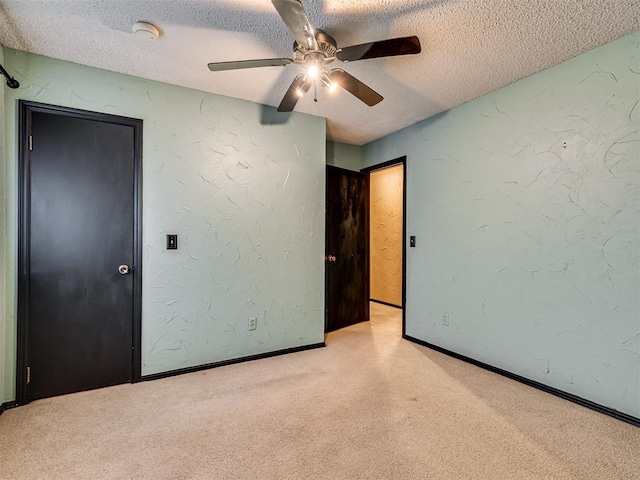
(386, 318)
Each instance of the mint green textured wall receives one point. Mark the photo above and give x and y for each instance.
(525, 204)
(344, 156)
(3, 246)
(245, 197)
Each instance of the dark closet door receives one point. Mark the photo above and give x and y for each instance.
(80, 250)
(347, 252)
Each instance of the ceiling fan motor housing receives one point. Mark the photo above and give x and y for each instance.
(327, 47)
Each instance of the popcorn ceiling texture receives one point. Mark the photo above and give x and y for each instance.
(245, 198)
(525, 206)
(470, 47)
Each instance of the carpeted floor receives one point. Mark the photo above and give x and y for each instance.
(369, 406)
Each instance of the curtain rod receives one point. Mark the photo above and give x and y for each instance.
(11, 82)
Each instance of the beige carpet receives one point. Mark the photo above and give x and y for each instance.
(368, 406)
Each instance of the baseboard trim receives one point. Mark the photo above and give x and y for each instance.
(385, 303)
(7, 405)
(224, 363)
(532, 383)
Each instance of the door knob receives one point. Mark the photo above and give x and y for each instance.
(331, 258)
(123, 269)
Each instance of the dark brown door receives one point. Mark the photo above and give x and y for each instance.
(347, 252)
(79, 260)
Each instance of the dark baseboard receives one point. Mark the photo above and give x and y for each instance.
(385, 303)
(224, 363)
(532, 383)
(7, 405)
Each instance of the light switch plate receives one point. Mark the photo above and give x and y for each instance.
(172, 241)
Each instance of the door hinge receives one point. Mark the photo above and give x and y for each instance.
(30, 143)
(28, 375)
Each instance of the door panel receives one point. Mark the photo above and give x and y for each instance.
(81, 229)
(347, 239)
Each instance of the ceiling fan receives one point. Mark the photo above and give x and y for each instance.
(313, 49)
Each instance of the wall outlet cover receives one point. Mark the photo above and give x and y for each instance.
(253, 323)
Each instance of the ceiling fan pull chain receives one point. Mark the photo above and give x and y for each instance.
(315, 91)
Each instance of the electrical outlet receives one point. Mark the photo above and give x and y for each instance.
(253, 323)
(445, 319)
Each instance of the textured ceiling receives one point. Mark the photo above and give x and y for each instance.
(469, 47)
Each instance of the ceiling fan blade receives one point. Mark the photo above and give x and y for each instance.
(294, 16)
(267, 62)
(383, 48)
(298, 87)
(355, 87)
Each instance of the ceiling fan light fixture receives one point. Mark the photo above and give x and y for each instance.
(327, 82)
(145, 30)
(312, 71)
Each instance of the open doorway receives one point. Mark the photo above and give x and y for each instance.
(387, 225)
